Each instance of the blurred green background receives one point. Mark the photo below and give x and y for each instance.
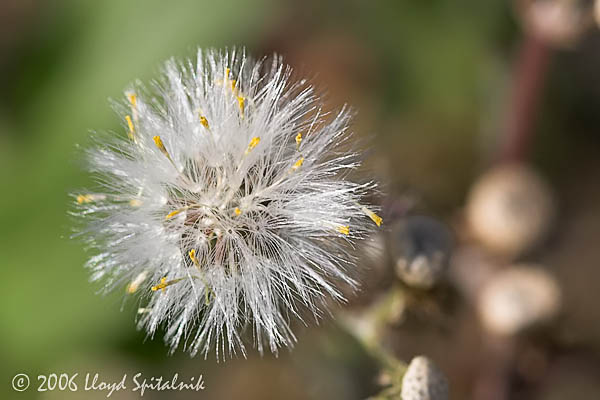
(429, 80)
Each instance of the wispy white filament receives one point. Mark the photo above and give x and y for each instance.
(228, 206)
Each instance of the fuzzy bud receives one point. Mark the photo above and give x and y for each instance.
(420, 247)
(423, 380)
(519, 298)
(510, 209)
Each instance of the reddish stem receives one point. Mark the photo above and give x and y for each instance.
(530, 72)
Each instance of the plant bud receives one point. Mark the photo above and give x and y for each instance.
(510, 209)
(517, 299)
(420, 247)
(423, 380)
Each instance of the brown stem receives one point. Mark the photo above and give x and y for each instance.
(530, 72)
(497, 357)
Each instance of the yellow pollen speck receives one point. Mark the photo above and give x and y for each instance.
(85, 198)
(376, 218)
(237, 211)
(173, 213)
(298, 164)
(204, 121)
(135, 202)
(242, 104)
(253, 143)
(298, 140)
(162, 285)
(159, 143)
(344, 229)
(132, 99)
(227, 71)
(233, 83)
(130, 125)
(161, 146)
(88, 198)
(192, 254)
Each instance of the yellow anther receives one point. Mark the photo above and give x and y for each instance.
(344, 229)
(204, 121)
(298, 164)
(161, 146)
(130, 125)
(225, 79)
(232, 83)
(242, 104)
(135, 202)
(88, 198)
(174, 213)
(85, 198)
(253, 143)
(237, 211)
(136, 282)
(159, 143)
(192, 254)
(298, 140)
(376, 218)
(132, 99)
(164, 283)
(132, 122)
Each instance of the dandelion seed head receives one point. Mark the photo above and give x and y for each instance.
(226, 205)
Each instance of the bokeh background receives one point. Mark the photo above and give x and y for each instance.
(443, 89)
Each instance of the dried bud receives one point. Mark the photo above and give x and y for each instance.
(510, 209)
(519, 298)
(560, 23)
(420, 247)
(423, 380)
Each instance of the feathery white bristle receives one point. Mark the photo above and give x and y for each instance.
(228, 204)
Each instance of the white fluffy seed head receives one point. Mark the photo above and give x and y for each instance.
(228, 205)
(423, 380)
